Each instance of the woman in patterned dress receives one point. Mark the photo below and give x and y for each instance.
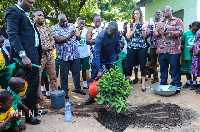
(195, 70)
(92, 34)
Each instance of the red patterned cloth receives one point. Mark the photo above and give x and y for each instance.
(171, 43)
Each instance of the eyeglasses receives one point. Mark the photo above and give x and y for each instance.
(165, 10)
(136, 13)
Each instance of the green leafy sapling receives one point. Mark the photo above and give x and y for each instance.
(113, 90)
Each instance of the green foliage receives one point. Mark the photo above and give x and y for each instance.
(113, 90)
(3, 5)
(110, 10)
(116, 10)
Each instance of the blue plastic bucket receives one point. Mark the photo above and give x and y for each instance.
(57, 99)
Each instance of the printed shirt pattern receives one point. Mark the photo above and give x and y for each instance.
(137, 41)
(94, 34)
(195, 69)
(171, 43)
(45, 34)
(153, 40)
(68, 50)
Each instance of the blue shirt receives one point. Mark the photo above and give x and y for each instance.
(105, 48)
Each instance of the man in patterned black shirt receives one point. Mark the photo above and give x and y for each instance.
(65, 35)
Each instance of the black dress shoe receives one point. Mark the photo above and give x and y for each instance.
(193, 87)
(86, 87)
(135, 81)
(155, 80)
(44, 93)
(149, 76)
(66, 97)
(80, 92)
(59, 88)
(89, 101)
(32, 120)
(186, 85)
(39, 113)
(144, 90)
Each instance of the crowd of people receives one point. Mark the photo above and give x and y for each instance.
(27, 44)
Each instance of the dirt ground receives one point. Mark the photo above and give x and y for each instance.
(84, 118)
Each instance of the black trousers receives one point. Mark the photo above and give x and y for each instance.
(154, 58)
(32, 77)
(135, 57)
(74, 67)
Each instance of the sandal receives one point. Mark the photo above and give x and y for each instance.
(40, 103)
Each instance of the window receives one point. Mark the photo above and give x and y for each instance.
(179, 14)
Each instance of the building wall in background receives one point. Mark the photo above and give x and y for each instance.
(191, 13)
(198, 10)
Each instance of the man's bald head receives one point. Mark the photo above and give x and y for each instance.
(62, 16)
(62, 20)
(167, 12)
(168, 7)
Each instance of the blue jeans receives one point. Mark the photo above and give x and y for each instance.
(174, 61)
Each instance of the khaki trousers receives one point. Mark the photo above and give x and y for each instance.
(50, 67)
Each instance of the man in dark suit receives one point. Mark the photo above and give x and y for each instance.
(25, 45)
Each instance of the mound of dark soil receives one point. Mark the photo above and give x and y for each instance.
(155, 116)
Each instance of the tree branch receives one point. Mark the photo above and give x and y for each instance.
(82, 3)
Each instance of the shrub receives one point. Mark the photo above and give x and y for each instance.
(113, 90)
